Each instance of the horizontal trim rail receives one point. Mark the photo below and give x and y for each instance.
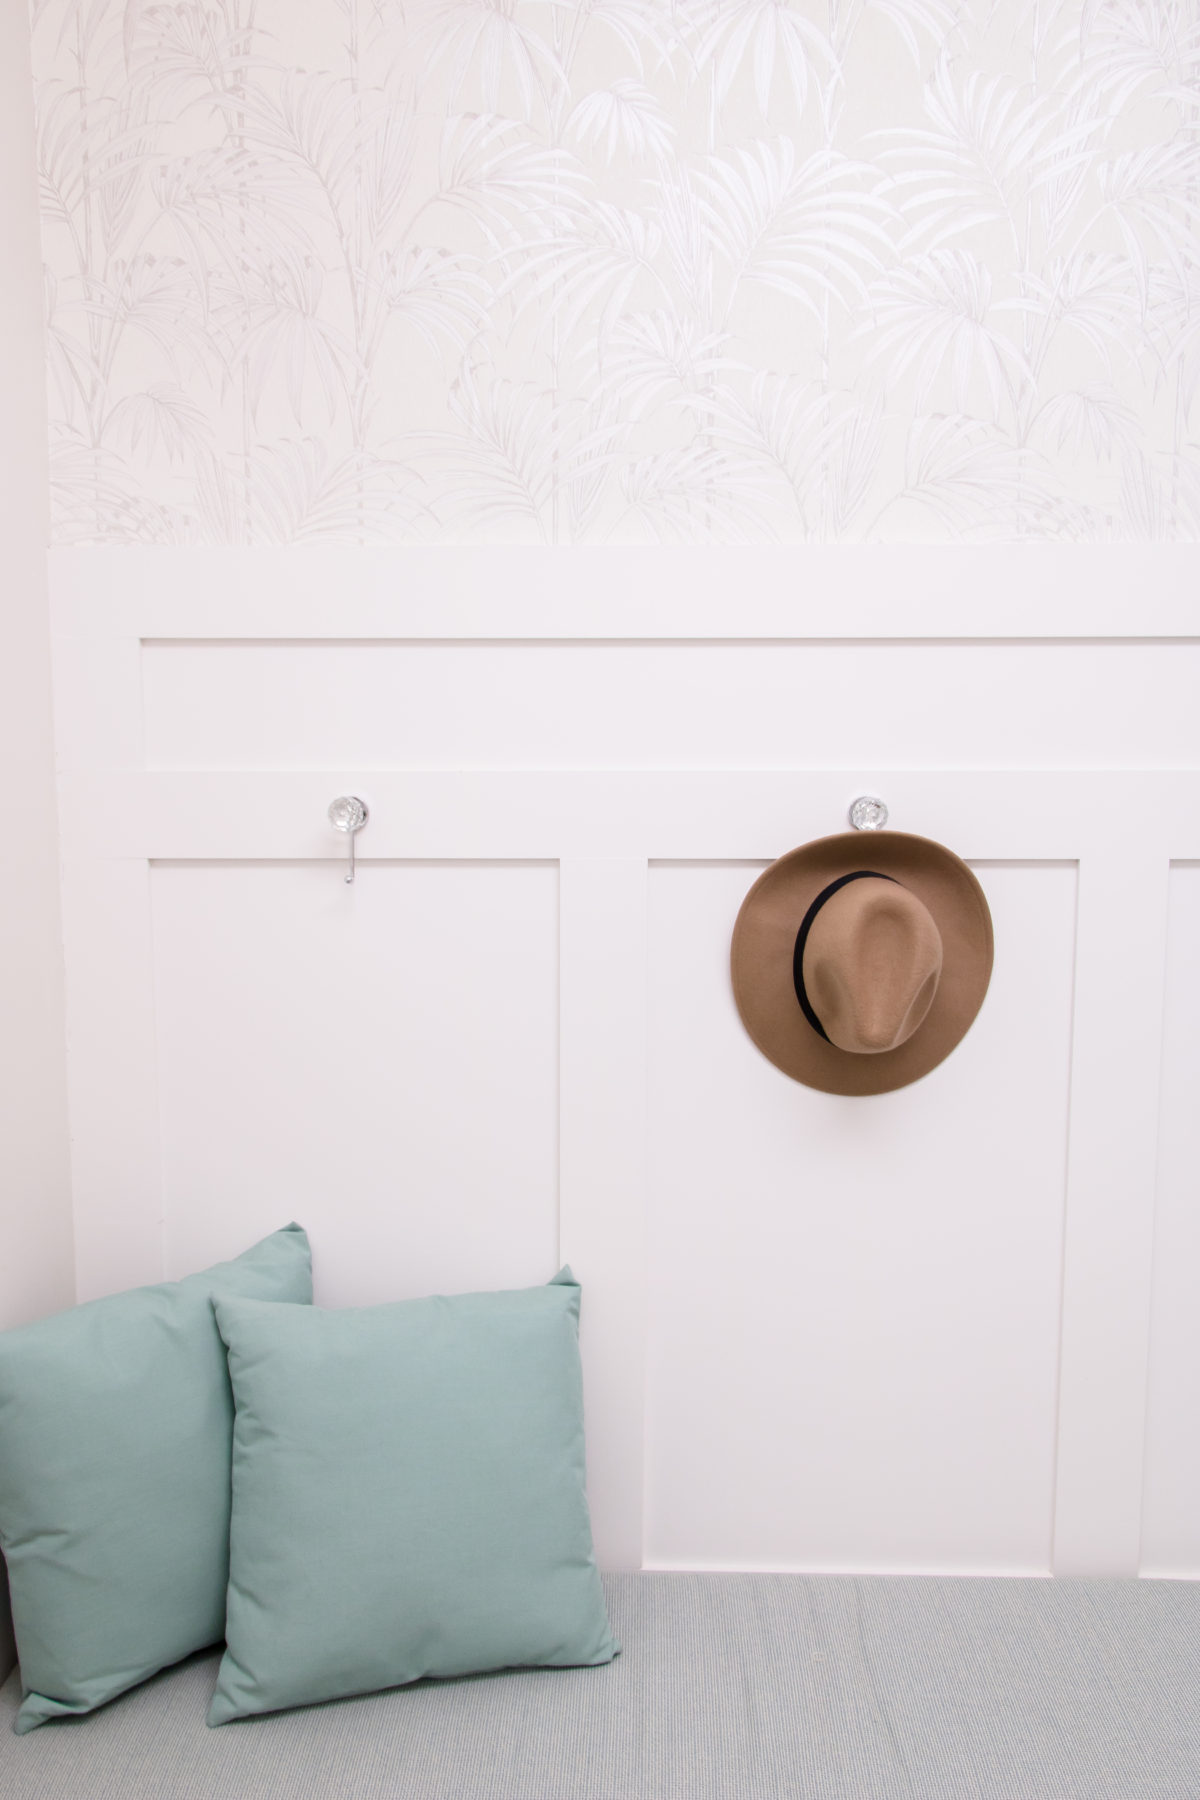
(792, 594)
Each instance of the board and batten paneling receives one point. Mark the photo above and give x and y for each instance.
(379, 1061)
(854, 1330)
(633, 706)
(912, 1332)
(1171, 1507)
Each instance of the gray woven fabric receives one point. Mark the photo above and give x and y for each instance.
(759, 1687)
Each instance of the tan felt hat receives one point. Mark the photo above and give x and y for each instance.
(859, 961)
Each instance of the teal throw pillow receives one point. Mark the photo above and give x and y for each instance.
(115, 1426)
(408, 1496)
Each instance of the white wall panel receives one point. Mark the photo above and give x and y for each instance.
(1034, 589)
(1171, 1500)
(602, 1161)
(854, 1305)
(378, 1062)
(911, 1332)
(587, 705)
(1108, 1240)
(37, 1263)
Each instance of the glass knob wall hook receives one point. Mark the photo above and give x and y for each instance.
(868, 813)
(349, 814)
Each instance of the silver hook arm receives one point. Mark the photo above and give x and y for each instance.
(349, 814)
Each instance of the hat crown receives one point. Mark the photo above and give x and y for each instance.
(871, 964)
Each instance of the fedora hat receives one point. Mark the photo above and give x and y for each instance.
(859, 961)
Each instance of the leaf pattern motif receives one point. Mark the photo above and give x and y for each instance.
(620, 270)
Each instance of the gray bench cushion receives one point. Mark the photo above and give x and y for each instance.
(747, 1687)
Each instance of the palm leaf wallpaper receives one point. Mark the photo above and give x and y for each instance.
(582, 271)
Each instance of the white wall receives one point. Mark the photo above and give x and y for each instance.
(610, 276)
(906, 1333)
(36, 1269)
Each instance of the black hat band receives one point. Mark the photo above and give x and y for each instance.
(825, 894)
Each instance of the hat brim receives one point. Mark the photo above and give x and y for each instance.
(764, 940)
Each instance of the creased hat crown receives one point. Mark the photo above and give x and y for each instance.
(871, 964)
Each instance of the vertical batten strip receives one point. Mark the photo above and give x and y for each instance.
(98, 704)
(1120, 961)
(112, 1076)
(602, 1176)
(112, 1072)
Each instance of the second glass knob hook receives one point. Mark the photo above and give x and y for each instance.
(868, 813)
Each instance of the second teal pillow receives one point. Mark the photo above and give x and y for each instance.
(408, 1496)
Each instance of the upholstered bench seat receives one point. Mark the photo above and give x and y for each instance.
(758, 1687)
